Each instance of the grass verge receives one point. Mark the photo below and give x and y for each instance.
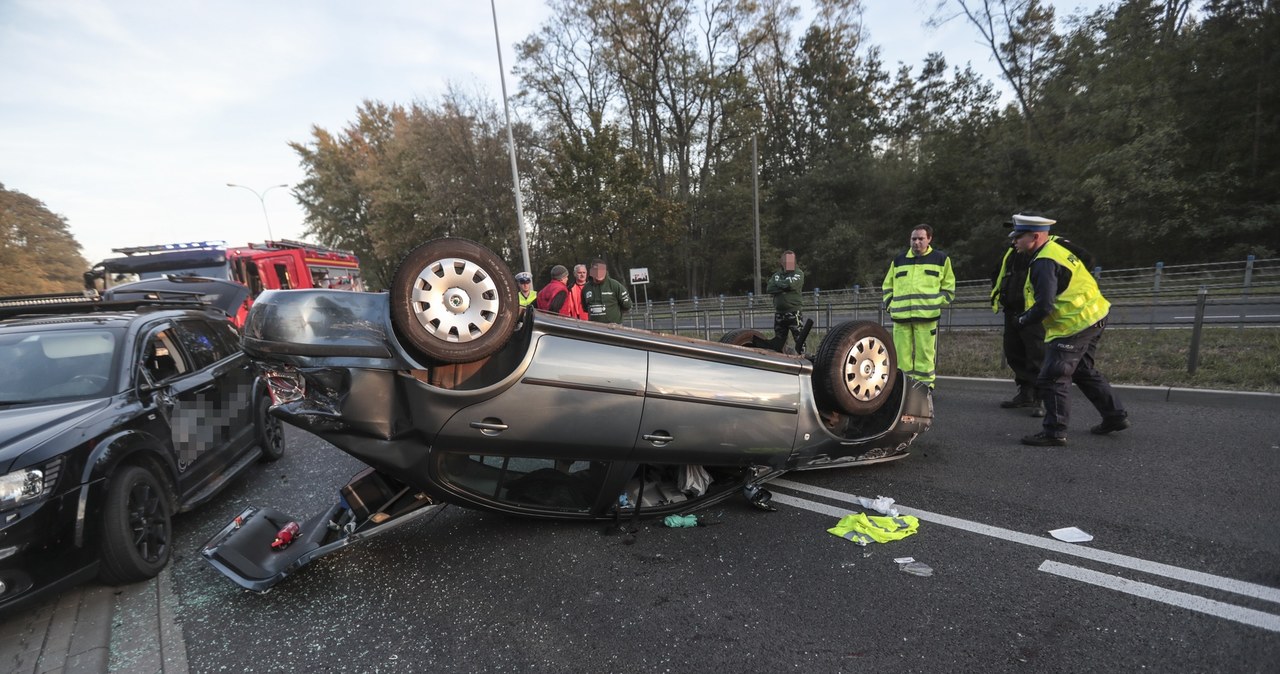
(1231, 359)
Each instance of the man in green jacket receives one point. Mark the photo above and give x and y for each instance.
(604, 298)
(785, 286)
(916, 287)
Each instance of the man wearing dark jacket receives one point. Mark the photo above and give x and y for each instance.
(1061, 293)
(603, 298)
(1023, 345)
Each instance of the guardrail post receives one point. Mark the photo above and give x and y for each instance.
(722, 313)
(675, 323)
(857, 289)
(1193, 358)
(1244, 292)
(1155, 293)
(816, 304)
(706, 324)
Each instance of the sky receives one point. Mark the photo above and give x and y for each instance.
(129, 117)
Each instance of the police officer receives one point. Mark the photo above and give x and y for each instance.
(1023, 346)
(916, 287)
(527, 294)
(1061, 294)
(785, 286)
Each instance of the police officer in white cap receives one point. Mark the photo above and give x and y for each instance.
(1061, 294)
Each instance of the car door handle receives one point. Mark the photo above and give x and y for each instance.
(659, 438)
(489, 426)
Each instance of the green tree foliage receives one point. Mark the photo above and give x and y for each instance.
(1150, 129)
(399, 176)
(37, 252)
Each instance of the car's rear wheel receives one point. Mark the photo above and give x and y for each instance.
(270, 431)
(855, 367)
(454, 300)
(137, 530)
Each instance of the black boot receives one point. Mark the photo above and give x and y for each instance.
(1026, 398)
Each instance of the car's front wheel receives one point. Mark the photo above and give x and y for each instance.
(855, 367)
(137, 530)
(270, 431)
(454, 301)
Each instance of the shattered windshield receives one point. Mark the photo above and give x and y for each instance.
(55, 365)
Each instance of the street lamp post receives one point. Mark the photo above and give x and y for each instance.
(262, 201)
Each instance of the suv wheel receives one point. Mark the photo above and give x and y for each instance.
(855, 367)
(270, 431)
(454, 300)
(137, 530)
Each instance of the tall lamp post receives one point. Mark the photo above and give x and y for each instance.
(262, 201)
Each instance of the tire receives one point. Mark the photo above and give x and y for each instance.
(270, 431)
(742, 337)
(137, 527)
(855, 368)
(454, 301)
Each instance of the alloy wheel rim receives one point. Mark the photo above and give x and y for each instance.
(148, 522)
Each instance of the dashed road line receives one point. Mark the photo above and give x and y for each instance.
(1191, 602)
(1240, 587)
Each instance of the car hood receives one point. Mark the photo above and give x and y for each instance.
(25, 428)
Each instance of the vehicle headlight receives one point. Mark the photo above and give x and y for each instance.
(21, 486)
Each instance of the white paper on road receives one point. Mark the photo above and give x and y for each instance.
(1071, 535)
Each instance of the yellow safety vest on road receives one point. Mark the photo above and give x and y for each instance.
(862, 529)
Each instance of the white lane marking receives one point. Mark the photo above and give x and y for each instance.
(1155, 568)
(1248, 616)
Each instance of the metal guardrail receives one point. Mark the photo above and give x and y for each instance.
(1240, 294)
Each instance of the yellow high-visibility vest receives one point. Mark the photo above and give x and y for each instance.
(1075, 308)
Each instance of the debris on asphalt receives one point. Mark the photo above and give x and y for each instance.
(916, 569)
(880, 504)
(1071, 535)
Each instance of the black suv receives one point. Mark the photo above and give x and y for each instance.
(115, 414)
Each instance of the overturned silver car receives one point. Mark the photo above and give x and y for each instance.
(451, 393)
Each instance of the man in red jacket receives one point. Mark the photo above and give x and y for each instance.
(554, 296)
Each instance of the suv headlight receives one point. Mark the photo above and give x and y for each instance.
(21, 486)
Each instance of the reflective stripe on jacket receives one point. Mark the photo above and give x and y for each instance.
(917, 287)
(1077, 307)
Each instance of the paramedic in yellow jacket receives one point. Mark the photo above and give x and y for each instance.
(919, 283)
(1061, 294)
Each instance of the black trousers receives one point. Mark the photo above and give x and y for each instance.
(1068, 360)
(1023, 350)
(787, 323)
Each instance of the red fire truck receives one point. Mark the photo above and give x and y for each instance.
(274, 265)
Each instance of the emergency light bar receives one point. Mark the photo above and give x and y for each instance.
(165, 247)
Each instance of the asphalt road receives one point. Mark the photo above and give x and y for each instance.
(1183, 573)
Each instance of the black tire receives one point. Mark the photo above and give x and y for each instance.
(855, 368)
(454, 301)
(270, 431)
(137, 527)
(742, 337)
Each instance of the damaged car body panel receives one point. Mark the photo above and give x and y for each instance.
(562, 419)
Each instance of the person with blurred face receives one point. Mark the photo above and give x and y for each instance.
(603, 298)
(785, 286)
